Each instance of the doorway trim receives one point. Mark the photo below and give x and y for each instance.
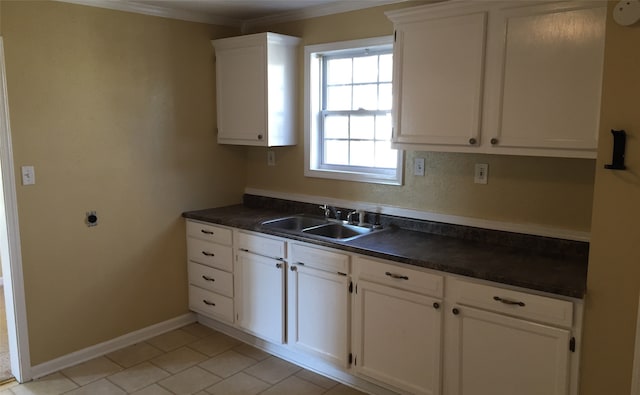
(10, 251)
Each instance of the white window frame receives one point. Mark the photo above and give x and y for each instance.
(312, 117)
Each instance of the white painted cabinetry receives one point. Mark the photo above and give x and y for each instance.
(517, 78)
(255, 89)
(259, 284)
(210, 268)
(397, 337)
(319, 302)
(504, 342)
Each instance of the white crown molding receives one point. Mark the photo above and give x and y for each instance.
(165, 12)
(316, 11)
(530, 229)
(193, 16)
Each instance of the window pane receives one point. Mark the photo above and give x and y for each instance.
(336, 127)
(362, 127)
(365, 69)
(384, 101)
(336, 152)
(365, 96)
(361, 153)
(339, 71)
(383, 127)
(339, 98)
(386, 68)
(385, 157)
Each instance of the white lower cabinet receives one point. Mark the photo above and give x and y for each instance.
(382, 323)
(259, 285)
(495, 348)
(397, 331)
(318, 303)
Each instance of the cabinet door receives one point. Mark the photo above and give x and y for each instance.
(492, 354)
(259, 284)
(241, 93)
(439, 69)
(319, 313)
(551, 62)
(397, 338)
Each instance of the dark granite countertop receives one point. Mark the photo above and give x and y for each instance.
(554, 273)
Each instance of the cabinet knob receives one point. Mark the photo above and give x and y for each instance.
(436, 305)
(455, 311)
(494, 141)
(293, 268)
(472, 141)
(259, 137)
(279, 265)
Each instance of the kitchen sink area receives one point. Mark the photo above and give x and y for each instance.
(319, 227)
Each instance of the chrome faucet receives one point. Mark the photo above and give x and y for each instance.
(327, 210)
(350, 219)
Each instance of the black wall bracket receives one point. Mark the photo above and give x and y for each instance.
(619, 146)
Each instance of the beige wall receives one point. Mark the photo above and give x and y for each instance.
(614, 261)
(116, 112)
(543, 191)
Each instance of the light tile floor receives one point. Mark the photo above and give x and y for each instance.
(190, 360)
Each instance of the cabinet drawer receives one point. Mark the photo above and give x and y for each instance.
(515, 303)
(399, 277)
(319, 259)
(211, 279)
(210, 304)
(261, 245)
(209, 232)
(210, 254)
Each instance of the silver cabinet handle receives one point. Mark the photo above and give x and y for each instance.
(208, 253)
(396, 276)
(208, 278)
(206, 232)
(208, 303)
(508, 301)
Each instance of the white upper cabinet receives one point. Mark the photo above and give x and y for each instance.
(516, 78)
(255, 89)
(439, 62)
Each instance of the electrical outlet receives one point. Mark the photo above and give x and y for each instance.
(28, 175)
(271, 158)
(481, 175)
(418, 166)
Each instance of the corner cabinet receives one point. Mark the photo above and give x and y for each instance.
(516, 78)
(256, 89)
(504, 342)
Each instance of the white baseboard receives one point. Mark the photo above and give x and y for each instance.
(525, 228)
(100, 349)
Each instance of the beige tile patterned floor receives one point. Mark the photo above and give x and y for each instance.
(191, 360)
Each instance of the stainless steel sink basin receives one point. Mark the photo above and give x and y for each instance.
(294, 223)
(317, 227)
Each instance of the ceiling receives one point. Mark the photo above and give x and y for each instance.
(239, 13)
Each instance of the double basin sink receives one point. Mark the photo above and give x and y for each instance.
(319, 227)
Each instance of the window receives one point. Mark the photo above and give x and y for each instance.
(348, 91)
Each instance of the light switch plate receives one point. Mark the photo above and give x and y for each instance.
(271, 158)
(481, 175)
(418, 166)
(28, 175)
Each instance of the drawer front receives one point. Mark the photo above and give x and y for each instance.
(399, 277)
(319, 259)
(515, 303)
(211, 279)
(210, 304)
(209, 232)
(210, 254)
(261, 245)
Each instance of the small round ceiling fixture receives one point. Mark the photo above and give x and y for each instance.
(627, 12)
